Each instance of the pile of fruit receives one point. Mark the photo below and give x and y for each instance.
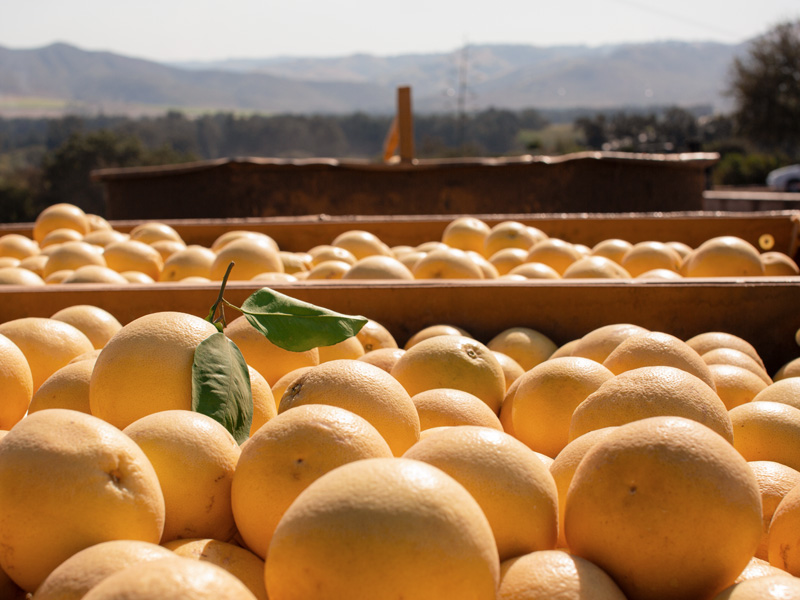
(627, 463)
(69, 246)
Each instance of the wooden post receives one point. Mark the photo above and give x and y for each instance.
(405, 121)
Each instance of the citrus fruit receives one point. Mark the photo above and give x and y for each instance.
(16, 383)
(452, 361)
(264, 405)
(173, 578)
(547, 396)
(790, 369)
(724, 256)
(234, 234)
(525, 345)
(446, 263)
(71, 255)
(783, 546)
(349, 348)
(239, 562)
(466, 233)
(322, 254)
(649, 392)
(194, 457)
(329, 269)
(47, 344)
(735, 385)
(60, 216)
(553, 252)
(659, 274)
(147, 367)
(373, 335)
(378, 266)
(511, 368)
(73, 578)
(383, 528)
(433, 331)
(95, 274)
(506, 259)
(284, 382)
(778, 264)
(384, 358)
(767, 431)
(154, 231)
(613, 248)
(649, 255)
(771, 587)
(666, 507)
(286, 455)
(565, 349)
(18, 246)
(96, 323)
(364, 389)
(759, 568)
(737, 358)
(361, 243)
(192, 261)
(69, 481)
(130, 255)
(510, 234)
(598, 267)
(19, 276)
(655, 348)
(251, 256)
(774, 482)
(512, 486)
(563, 469)
(265, 357)
(786, 391)
(104, 237)
(555, 574)
(534, 270)
(711, 340)
(600, 342)
(443, 407)
(68, 387)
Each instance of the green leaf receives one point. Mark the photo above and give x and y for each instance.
(221, 385)
(296, 325)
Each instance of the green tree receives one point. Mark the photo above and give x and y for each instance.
(765, 85)
(66, 170)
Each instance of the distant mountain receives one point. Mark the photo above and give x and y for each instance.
(61, 78)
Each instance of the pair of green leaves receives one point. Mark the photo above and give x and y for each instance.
(220, 379)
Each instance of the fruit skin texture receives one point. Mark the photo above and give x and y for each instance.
(649, 392)
(442, 407)
(452, 361)
(147, 367)
(239, 562)
(600, 342)
(66, 388)
(16, 383)
(772, 587)
(666, 507)
(173, 578)
(766, 430)
(783, 547)
(383, 528)
(563, 469)
(557, 575)
(511, 484)
(289, 453)
(47, 344)
(548, 395)
(195, 458)
(68, 481)
(526, 346)
(73, 578)
(97, 324)
(774, 482)
(364, 389)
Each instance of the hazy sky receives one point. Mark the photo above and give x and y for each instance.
(204, 29)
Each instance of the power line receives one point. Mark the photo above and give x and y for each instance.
(677, 17)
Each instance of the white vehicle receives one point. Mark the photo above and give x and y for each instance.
(785, 179)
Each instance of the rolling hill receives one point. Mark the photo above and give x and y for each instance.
(61, 78)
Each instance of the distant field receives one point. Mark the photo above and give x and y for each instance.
(30, 107)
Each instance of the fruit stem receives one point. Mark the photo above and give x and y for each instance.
(220, 301)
